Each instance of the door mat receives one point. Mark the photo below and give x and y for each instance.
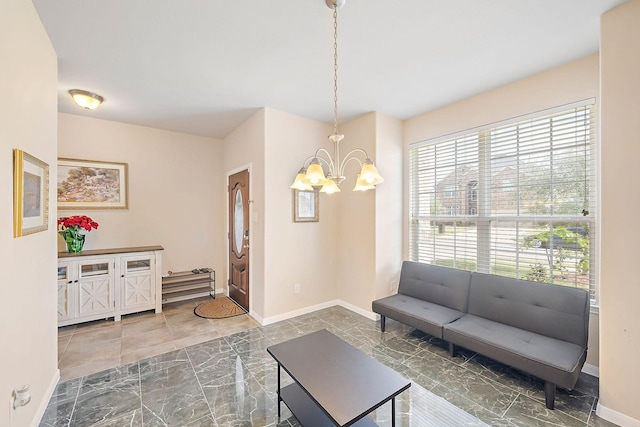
(219, 308)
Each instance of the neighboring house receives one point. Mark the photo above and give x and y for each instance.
(458, 193)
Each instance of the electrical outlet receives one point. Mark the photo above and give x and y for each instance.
(296, 288)
(392, 285)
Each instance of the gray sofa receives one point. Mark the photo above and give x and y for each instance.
(537, 328)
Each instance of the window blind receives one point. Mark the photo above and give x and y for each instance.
(516, 198)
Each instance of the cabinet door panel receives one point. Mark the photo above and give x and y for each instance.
(137, 283)
(65, 292)
(138, 291)
(95, 297)
(64, 302)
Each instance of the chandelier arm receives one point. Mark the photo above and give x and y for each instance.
(347, 160)
(350, 156)
(330, 164)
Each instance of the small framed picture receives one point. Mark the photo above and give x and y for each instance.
(30, 194)
(305, 206)
(91, 184)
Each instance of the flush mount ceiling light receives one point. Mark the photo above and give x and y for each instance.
(87, 100)
(312, 174)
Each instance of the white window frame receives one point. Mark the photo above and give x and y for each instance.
(483, 217)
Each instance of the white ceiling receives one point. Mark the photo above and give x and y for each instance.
(204, 66)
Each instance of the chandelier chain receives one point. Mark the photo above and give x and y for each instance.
(335, 69)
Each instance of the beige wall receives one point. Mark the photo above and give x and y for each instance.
(370, 223)
(562, 85)
(244, 148)
(620, 293)
(28, 104)
(356, 220)
(389, 213)
(572, 82)
(175, 191)
(295, 253)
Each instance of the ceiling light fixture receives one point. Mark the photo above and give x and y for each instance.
(87, 100)
(312, 174)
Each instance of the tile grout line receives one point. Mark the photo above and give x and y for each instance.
(140, 388)
(75, 401)
(213, 417)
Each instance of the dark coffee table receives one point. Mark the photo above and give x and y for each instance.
(335, 383)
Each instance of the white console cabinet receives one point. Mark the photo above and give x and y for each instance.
(99, 284)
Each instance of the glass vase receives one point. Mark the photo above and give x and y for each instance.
(74, 243)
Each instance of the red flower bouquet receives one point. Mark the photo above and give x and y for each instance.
(70, 229)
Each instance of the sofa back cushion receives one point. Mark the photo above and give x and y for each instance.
(440, 285)
(555, 311)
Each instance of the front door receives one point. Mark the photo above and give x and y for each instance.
(239, 238)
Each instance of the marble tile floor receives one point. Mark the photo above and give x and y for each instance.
(91, 347)
(230, 380)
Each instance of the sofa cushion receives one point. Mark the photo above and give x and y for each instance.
(548, 358)
(444, 286)
(554, 311)
(419, 314)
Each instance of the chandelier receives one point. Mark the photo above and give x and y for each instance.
(312, 174)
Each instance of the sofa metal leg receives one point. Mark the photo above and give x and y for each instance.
(549, 394)
(452, 350)
(382, 323)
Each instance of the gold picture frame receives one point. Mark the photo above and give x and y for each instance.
(30, 194)
(305, 206)
(92, 184)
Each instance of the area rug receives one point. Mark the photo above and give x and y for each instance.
(219, 308)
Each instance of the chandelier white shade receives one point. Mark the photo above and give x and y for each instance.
(312, 174)
(86, 100)
(299, 184)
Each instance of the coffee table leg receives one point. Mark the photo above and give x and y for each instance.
(279, 399)
(393, 412)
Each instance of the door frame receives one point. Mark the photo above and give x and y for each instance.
(247, 167)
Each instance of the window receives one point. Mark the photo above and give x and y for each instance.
(451, 210)
(529, 209)
(449, 192)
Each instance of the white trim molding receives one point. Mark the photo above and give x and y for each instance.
(46, 398)
(366, 313)
(291, 314)
(616, 417)
(294, 313)
(592, 370)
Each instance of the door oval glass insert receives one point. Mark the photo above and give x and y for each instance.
(238, 221)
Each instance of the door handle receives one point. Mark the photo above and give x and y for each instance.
(246, 246)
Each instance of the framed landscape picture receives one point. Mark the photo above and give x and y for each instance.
(91, 184)
(30, 194)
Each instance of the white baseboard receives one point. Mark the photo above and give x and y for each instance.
(257, 318)
(294, 313)
(616, 417)
(280, 317)
(45, 399)
(592, 370)
(366, 313)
